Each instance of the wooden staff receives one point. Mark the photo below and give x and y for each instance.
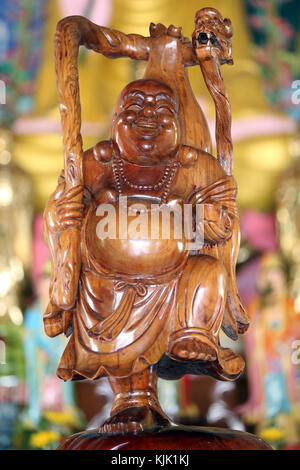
(66, 47)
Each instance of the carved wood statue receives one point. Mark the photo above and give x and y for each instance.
(139, 307)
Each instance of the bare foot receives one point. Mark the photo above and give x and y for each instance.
(133, 419)
(228, 366)
(193, 348)
(221, 363)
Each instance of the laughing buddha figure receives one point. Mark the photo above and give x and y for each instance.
(143, 306)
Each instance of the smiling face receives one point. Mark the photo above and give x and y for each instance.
(212, 35)
(146, 126)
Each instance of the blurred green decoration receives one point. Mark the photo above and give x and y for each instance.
(14, 354)
(12, 375)
(51, 429)
(21, 37)
(275, 26)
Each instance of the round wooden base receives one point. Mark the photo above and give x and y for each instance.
(170, 438)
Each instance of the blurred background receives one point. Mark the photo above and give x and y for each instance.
(36, 409)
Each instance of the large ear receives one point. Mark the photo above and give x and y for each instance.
(227, 31)
(228, 27)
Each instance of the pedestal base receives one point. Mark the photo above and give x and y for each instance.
(170, 438)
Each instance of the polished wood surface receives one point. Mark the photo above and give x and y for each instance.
(138, 306)
(172, 438)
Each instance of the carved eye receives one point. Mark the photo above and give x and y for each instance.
(214, 41)
(164, 109)
(134, 107)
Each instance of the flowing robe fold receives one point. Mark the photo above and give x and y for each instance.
(122, 325)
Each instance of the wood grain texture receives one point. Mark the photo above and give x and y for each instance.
(172, 438)
(141, 306)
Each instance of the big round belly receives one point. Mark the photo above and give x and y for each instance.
(140, 241)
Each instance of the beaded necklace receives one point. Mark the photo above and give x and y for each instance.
(164, 183)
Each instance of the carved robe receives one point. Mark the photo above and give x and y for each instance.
(117, 326)
(122, 324)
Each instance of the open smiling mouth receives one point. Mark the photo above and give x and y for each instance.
(147, 128)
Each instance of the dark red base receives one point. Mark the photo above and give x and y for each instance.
(171, 438)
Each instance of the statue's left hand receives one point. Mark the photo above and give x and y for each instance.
(217, 225)
(70, 209)
(65, 207)
(64, 211)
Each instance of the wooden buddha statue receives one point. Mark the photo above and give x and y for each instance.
(138, 304)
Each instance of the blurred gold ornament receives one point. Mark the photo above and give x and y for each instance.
(15, 229)
(260, 154)
(288, 219)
